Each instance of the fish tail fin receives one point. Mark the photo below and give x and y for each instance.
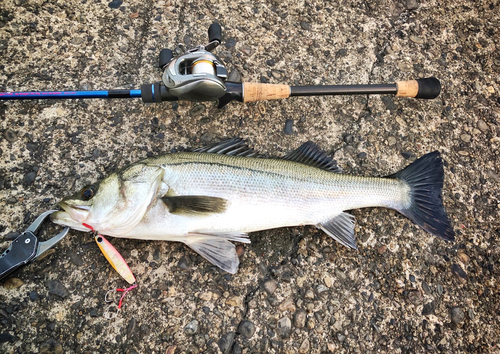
(426, 209)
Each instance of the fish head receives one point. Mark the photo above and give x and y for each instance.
(93, 205)
(114, 205)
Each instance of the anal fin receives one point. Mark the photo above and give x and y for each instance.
(341, 228)
(217, 248)
(194, 204)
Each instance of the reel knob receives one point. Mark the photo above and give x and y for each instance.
(215, 33)
(166, 56)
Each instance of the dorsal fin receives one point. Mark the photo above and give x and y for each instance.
(310, 154)
(232, 147)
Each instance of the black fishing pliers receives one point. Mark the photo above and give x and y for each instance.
(26, 247)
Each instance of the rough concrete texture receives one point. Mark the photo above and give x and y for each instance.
(297, 291)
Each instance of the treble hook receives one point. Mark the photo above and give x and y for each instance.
(106, 296)
(108, 314)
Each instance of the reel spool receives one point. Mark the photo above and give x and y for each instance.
(203, 66)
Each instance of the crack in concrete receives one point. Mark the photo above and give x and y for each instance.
(268, 275)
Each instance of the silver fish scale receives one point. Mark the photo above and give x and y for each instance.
(271, 193)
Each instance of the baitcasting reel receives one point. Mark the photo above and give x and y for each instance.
(198, 75)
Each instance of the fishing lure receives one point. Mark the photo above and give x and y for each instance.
(113, 256)
(118, 263)
(115, 259)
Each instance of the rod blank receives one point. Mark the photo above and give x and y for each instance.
(36, 95)
(328, 90)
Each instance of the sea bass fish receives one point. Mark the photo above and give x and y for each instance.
(219, 194)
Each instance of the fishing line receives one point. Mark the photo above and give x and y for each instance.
(125, 291)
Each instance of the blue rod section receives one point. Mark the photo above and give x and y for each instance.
(135, 93)
(69, 94)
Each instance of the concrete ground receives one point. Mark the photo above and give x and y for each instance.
(297, 291)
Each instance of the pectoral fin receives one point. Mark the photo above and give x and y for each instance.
(194, 204)
(341, 228)
(217, 249)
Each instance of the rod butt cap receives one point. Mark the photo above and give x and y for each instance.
(428, 88)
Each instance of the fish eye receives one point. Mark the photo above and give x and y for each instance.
(88, 192)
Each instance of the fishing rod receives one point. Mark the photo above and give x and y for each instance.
(198, 75)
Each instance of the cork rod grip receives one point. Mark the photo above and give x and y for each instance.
(421, 88)
(407, 88)
(263, 92)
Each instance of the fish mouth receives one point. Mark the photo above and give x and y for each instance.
(73, 215)
(67, 207)
(64, 218)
